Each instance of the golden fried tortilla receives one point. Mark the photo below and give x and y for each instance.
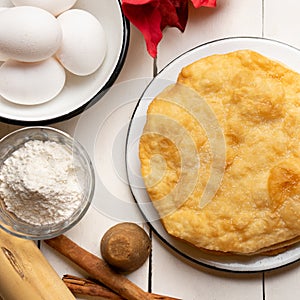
(220, 154)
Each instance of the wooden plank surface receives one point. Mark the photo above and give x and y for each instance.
(168, 273)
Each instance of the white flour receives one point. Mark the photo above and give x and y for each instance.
(39, 183)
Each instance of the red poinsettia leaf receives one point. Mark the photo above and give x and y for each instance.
(146, 16)
(174, 13)
(152, 16)
(208, 3)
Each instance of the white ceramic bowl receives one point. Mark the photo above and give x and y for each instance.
(17, 226)
(79, 92)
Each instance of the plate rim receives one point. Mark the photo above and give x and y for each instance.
(169, 245)
(113, 77)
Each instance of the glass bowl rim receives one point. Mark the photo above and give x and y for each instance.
(83, 207)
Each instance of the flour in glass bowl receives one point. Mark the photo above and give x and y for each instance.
(39, 183)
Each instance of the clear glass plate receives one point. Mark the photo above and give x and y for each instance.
(284, 53)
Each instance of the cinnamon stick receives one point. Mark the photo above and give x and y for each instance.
(87, 287)
(82, 286)
(99, 270)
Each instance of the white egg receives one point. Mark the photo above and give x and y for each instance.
(53, 6)
(83, 46)
(2, 56)
(31, 83)
(28, 34)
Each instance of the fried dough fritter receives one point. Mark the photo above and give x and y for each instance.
(227, 131)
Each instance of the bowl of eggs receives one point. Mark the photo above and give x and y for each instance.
(57, 58)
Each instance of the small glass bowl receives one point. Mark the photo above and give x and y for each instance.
(15, 140)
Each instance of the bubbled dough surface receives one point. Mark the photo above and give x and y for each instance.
(257, 104)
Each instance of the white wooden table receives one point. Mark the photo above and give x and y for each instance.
(166, 273)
